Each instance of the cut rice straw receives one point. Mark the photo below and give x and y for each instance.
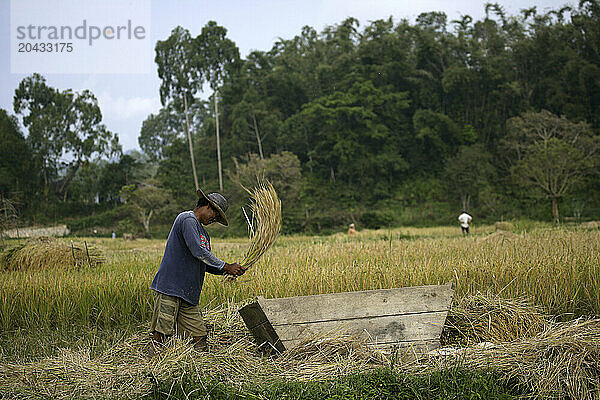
(266, 217)
(47, 252)
(561, 361)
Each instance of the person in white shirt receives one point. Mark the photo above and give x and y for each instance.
(464, 219)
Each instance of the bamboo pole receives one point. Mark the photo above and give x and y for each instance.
(218, 143)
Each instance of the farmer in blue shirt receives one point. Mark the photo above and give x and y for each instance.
(179, 279)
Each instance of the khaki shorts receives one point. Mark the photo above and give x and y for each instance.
(174, 315)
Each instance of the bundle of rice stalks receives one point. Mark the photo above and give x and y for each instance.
(561, 362)
(47, 252)
(489, 318)
(265, 225)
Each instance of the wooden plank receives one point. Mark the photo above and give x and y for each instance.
(253, 315)
(351, 305)
(267, 338)
(380, 329)
(260, 327)
(410, 318)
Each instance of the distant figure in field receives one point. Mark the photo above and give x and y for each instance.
(114, 235)
(464, 219)
(351, 230)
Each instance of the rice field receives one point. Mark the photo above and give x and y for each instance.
(90, 317)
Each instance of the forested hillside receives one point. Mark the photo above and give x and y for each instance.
(395, 122)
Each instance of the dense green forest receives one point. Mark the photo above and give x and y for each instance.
(385, 124)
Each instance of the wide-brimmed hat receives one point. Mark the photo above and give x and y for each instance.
(218, 202)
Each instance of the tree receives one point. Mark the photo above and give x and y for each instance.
(62, 125)
(214, 54)
(186, 63)
(176, 68)
(354, 138)
(282, 170)
(468, 172)
(392, 103)
(132, 168)
(250, 116)
(160, 131)
(551, 153)
(175, 170)
(17, 169)
(439, 137)
(145, 200)
(85, 187)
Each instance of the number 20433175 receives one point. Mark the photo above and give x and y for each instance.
(43, 47)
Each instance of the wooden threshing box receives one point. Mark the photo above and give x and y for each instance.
(405, 317)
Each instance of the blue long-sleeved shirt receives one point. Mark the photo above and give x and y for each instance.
(187, 257)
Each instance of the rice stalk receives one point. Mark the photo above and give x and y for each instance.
(124, 371)
(563, 361)
(490, 318)
(47, 252)
(265, 207)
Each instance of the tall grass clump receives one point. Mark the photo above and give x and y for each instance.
(48, 252)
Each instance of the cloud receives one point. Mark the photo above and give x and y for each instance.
(124, 115)
(124, 108)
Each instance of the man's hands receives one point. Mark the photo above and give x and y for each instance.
(233, 269)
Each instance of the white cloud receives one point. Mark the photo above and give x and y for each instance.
(123, 108)
(124, 115)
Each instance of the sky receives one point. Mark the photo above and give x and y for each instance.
(126, 99)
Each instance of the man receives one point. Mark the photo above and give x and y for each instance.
(179, 279)
(464, 219)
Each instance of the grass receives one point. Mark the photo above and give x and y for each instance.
(51, 317)
(381, 384)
